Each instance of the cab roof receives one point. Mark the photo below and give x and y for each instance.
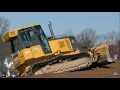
(13, 33)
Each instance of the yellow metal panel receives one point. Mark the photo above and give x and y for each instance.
(37, 51)
(10, 35)
(28, 54)
(21, 57)
(25, 55)
(54, 46)
(62, 45)
(32, 53)
(68, 44)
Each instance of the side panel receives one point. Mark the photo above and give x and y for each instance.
(31, 53)
(37, 51)
(25, 55)
(62, 45)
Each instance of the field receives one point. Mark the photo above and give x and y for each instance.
(107, 71)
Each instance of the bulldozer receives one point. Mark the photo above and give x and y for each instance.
(34, 53)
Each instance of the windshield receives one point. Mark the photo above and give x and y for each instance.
(28, 38)
(24, 39)
(34, 36)
(43, 39)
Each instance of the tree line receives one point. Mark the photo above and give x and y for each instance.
(88, 38)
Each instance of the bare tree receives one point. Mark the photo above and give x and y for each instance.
(111, 37)
(86, 38)
(4, 24)
(4, 47)
(119, 40)
(102, 38)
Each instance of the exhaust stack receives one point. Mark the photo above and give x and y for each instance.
(51, 30)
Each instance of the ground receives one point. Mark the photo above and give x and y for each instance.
(107, 71)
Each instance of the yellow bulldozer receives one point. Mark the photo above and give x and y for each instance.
(31, 50)
(34, 53)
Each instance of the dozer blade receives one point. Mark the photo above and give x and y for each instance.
(66, 66)
(113, 53)
(109, 53)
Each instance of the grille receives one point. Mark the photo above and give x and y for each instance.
(61, 44)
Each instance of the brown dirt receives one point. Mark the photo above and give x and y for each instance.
(107, 71)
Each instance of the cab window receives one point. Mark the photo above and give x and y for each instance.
(15, 45)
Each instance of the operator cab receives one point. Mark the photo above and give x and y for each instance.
(28, 37)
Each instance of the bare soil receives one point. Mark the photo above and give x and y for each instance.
(107, 71)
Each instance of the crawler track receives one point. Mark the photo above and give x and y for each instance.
(66, 66)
